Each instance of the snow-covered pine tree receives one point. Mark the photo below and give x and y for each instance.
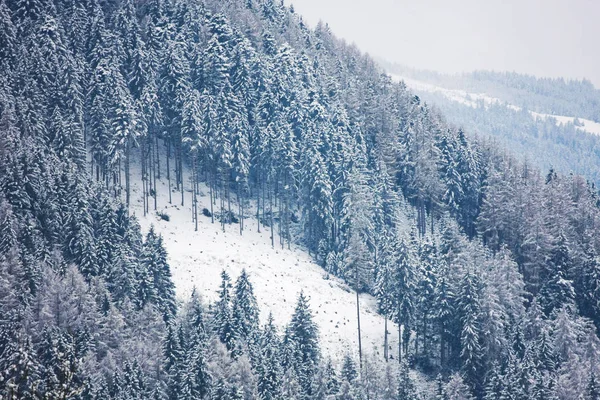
(244, 314)
(154, 259)
(223, 320)
(303, 336)
(269, 371)
(403, 276)
(469, 309)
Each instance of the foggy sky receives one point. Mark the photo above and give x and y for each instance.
(540, 37)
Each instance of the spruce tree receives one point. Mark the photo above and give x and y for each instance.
(469, 298)
(270, 374)
(302, 334)
(223, 320)
(406, 386)
(244, 313)
(154, 260)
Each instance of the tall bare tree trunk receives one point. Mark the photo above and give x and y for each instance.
(385, 340)
(258, 201)
(195, 191)
(399, 342)
(143, 174)
(211, 194)
(240, 210)
(228, 199)
(157, 157)
(154, 166)
(358, 317)
(271, 214)
(169, 169)
(127, 176)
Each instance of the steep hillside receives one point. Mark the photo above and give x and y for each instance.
(528, 124)
(488, 265)
(474, 99)
(278, 274)
(552, 96)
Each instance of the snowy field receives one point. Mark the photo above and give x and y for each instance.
(278, 276)
(473, 99)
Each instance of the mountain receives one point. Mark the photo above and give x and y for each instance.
(551, 122)
(144, 144)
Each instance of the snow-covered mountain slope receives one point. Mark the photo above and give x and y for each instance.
(474, 99)
(278, 275)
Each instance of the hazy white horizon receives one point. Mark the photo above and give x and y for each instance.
(540, 37)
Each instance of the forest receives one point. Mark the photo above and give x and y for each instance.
(557, 96)
(544, 142)
(486, 265)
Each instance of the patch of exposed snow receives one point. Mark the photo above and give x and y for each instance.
(278, 275)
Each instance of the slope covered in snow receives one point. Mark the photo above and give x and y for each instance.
(474, 99)
(278, 275)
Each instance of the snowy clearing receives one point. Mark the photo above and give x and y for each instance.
(278, 275)
(474, 99)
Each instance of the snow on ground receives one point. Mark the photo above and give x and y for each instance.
(474, 99)
(278, 275)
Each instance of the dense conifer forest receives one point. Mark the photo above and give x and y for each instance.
(487, 266)
(557, 96)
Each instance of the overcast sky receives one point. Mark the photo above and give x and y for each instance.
(540, 37)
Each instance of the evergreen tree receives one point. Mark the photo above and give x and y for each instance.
(406, 387)
(404, 284)
(349, 372)
(244, 312)
(269, 370)
(302, 334)
(456, 389)
(331, 379)
(223, 320)
(21, 372)
(469, 298)
(154, 259)
(557, 290)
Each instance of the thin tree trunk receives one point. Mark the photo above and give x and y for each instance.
(143, 175)
(358, 318)
(258, 180)
(157, 157)
(240, 210)
(228, 200)
(442, 349)
(271, 214)
(211, 192)
(287, 220)
(176, 159)
(195, 178)
(169, 169)
(180, 146)
(127, 177)
(118, 186)
(399, 343)
(431, 219)
(279, 207)
(286, 211)
(264, 196)
(405, 339)
(149, 168)
(385, 339)
(222, 202)
(424, 349)
(154, 166)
